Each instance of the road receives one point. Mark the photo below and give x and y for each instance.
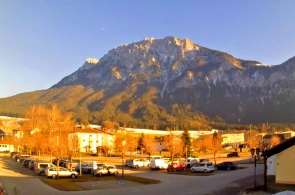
(12, 175)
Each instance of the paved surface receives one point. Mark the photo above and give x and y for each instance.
(12, 175)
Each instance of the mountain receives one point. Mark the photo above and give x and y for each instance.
(168, 81)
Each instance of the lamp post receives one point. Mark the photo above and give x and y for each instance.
(123, 155)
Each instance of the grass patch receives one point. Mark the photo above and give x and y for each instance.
(63, 184)
(67, 184)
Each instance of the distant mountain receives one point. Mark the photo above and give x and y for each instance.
(170, 81)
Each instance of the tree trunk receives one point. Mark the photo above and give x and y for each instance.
(57, 168)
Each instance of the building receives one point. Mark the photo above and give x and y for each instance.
(193, 134)
(232, 138)
(6, 147)
(89, 139)
(280, 160)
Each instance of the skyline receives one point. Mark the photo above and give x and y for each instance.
(41, 42)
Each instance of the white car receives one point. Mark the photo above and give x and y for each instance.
(135, 163)
(158, 164)
(203, 167)
(63, 172)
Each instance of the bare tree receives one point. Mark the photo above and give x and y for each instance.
(150, 144)
(179, 148)
(216, 145)
(205, 143)
(131, 143)
(274, 140)
(169, 142)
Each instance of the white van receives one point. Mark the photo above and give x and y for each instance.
(158, 164)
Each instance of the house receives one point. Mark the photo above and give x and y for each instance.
(283, 161)
(89, 139)
(6, 147)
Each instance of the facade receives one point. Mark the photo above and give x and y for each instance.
(6, 147)
(283, 162)
(285, 169)
(232, 138)
(89, 139)
(193, 134)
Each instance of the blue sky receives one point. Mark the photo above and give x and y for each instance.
(43, 41)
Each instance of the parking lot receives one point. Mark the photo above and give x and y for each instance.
(13, 175)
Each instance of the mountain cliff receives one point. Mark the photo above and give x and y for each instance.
(159, 81)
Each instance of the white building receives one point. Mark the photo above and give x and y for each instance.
(232, 138)
(89, 139)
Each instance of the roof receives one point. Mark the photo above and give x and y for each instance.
(90, 130)
(280, 147)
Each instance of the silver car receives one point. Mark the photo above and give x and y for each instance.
(203, 167)
(63, 172)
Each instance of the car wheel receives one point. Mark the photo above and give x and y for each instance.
(99, 174)
(42, 173)
(205, 171)
(228, 168)
(193, 170)
(73, 176)
(116, 173)
(53, 176)
(136, 166)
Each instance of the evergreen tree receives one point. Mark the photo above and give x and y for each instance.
(186, 139)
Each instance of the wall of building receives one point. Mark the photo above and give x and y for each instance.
(271, 164)
(284, 166)
(233, 138)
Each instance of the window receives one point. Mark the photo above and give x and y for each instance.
(43, 165)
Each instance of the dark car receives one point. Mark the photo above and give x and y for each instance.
(85, 167)
(227, 166)
(233, 154)
(175, 166)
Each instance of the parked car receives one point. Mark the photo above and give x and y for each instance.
(106, 170)
(205, 160)
(176, 166)
(98, 166)
(26, 162)
(31, 164)
(233, 154)
(203, 167)
(61, 161)
(40, 166)
(75, 162)
(13, 153)
(62, 172)
(227, 166)
(135, 163)
(191, 162)
(86, 167)
(22, 157)
(158, 164)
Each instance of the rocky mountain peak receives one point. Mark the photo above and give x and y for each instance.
(89, 63)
